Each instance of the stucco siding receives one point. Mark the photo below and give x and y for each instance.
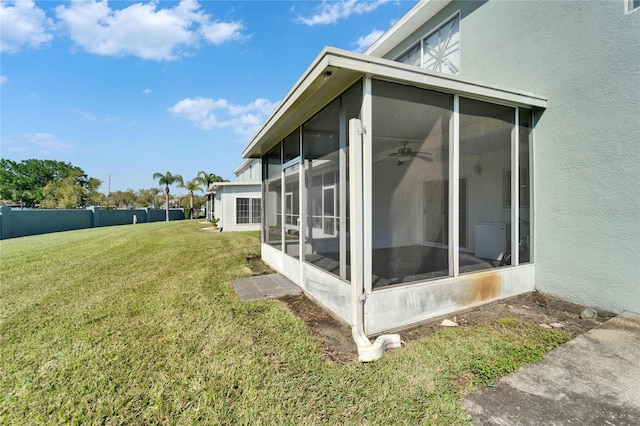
(225, 206)
(249, 171)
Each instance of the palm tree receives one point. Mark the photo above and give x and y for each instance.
(208, 179)
(167, 179)
(191, 185)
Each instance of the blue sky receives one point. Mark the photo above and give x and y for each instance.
(127, 88)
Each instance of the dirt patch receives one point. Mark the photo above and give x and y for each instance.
(333, 336)
(257, 266)
(335, 341)
(535, 308)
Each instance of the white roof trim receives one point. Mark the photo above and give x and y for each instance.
(218, 184)
(243, 165)
(334, 70)
(302, 84)
(222, 185)
(422, 12)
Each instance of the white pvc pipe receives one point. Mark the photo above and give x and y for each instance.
(367, 351)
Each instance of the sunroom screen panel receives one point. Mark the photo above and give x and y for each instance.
(325, 142)
(410, 169)
(485, 160)
(272, 197)
(291, 189)
(525, 193)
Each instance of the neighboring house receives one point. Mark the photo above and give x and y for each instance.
(388, 177)
(238, 205)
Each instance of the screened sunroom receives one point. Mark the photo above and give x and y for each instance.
(389, 192)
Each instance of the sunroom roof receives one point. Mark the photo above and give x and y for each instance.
(335, 70)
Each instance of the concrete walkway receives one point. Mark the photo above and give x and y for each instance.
(592, 380)
(264, 287)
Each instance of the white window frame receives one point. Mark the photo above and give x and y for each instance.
(253, 216)
(256, 218)
(404, 52)
(421, 42)
(629, 7)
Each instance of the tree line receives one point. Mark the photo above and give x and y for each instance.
(203, 178)
(50, 184)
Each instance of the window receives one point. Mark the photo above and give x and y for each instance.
(413, 56)
(439, 51)
(248, 210)
(256, 210)
(631, 5)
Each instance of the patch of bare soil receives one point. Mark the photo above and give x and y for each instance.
(333, 336)
(257, 266)
(335, 341)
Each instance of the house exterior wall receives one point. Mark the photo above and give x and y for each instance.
(225, 206)
(249, 171)
(584, 57)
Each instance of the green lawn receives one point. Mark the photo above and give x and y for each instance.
(139, 325)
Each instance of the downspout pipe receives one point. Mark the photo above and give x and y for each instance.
(367, 351)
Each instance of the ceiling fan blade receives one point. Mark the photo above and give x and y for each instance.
(424, 158)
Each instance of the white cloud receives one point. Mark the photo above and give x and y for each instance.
(208, 113)
(3, 79)
(219, 32)
(37, 144)
(143, 30)
(94, 118)
(330, 12)
(147, 91)
(367, 40)
(22, 24)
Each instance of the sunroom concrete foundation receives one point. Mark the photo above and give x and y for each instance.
(398, 307)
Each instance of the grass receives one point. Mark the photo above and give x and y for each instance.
(138, 325)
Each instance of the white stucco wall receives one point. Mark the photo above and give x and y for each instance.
(249, 171)
(327, 290)
(225, 206)
(584, 57)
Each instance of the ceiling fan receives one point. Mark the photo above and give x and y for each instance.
(405, 154)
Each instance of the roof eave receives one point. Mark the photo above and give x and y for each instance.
(310, 76)
(334, 70)
(242, 166)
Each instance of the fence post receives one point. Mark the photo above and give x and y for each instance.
(6, 225)
(96, 216)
